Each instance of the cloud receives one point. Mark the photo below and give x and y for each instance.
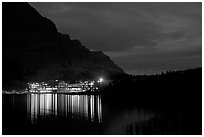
(139, 32)
(117, 26)
(139, 60)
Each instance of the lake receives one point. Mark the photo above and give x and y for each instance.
(95, 114)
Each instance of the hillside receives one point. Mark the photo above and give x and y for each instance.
(34, 50)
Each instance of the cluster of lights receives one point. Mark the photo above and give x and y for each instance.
(34, 85)
(100, 80)
(76, 87)
(88, 86)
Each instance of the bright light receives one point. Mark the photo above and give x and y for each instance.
(45, 91)
(101, 80)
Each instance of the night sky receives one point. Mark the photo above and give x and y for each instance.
(139, 37)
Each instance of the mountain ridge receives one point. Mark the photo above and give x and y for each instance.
(34, 50)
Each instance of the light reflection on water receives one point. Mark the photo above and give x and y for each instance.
(82, 114)
(84, 107)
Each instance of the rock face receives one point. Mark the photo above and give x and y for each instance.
(34, 50)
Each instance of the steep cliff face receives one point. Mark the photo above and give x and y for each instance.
(33, 50)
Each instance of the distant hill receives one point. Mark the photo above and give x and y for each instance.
(34, 50)
(183, 83)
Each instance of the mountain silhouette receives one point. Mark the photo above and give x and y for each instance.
(34, 50)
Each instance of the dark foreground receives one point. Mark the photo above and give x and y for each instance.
(99, 114)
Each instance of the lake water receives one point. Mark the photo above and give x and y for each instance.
(92, 114)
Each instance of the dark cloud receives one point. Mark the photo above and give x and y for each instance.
(157, 61)
(134, 32)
